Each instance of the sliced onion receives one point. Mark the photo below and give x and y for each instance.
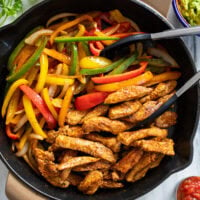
(164, 55)
(53, 88)
(113, 30)
(21, 122)
(30, 164)
(59, 16)
(33, 37)
(133, 24)
(23, 151)
(19, 112)
(35, 136)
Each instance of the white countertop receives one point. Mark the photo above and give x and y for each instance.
(166, 190)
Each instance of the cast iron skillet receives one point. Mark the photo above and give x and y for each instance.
(149, 21)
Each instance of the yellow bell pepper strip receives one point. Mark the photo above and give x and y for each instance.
(65, 70)
(101, 70)
(88, 101)
(123, 66)
(108, 41)
(166, 76)
(32, 75)
(74, 61)
(12, 107)
(92, 62)
(57, 102)
(83, 50)
(11, 135)
(81, 31)
(69, 25)
(59, 80)
(45, 95)
(31, 117)
(18, 48)
(139, 80)
(24, 138)
(10, 93)
(40, 104)
(121, 77)
(57, 55)
(65, 106)
(43, 73)
(29, 63)
(100, 37)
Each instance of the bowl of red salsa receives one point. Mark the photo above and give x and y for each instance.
(189, 189)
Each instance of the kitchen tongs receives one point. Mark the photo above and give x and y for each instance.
(167, 104)
(113, 49)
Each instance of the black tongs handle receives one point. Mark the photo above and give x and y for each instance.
(171, 101)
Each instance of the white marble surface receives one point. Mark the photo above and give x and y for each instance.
(166, 190)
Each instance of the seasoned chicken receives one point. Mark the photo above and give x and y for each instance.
(149, 160)
(144, 112)
(127, 138)
(76, 161)
(124, 109)
(48, 168)
(91, 182)
(127, 93)
(100, 165)
(164, 146)
(128, 161)
(98, 124)
(74, 117)
(166, 120)
(75, 131)
(110, 142)
(160, 90)
(74, 179)
(95, 149)
(99, 110)
(111, 184)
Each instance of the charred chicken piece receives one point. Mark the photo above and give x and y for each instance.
(127, 93)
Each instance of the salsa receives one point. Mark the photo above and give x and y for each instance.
(189, 189)
(190, 9)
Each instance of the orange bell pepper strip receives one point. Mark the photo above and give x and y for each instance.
(43, 73)
(69, 25)
(81, 52)
(40, 104)
(121, 77)
(11, 135)
(45, 95)
(139, 80)
(57, 55)
(65, 106)
(81, 31)
(12, 107)
(106, 42)
(10, 93)
(88, 101)
(32, 117)
(166, 76)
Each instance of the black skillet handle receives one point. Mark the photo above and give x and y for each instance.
(109, 51)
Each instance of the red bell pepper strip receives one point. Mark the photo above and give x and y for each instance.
(103, 16)
(10, 134)
(95, 51)
(124, 27)
(88, 101)
(121, 77)
(40, 104)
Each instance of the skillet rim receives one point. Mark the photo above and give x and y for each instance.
(162, 18)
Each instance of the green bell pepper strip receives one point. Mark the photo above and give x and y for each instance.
(86, 48)
(84, 38)
(102, 70)
(74, 61)
(156, 69)
(123, 66)
(156, 62)
(29, 63)
(18, 48)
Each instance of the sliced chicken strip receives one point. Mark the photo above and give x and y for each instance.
(127, 93)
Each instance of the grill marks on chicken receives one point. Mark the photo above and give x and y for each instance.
(127, 93)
